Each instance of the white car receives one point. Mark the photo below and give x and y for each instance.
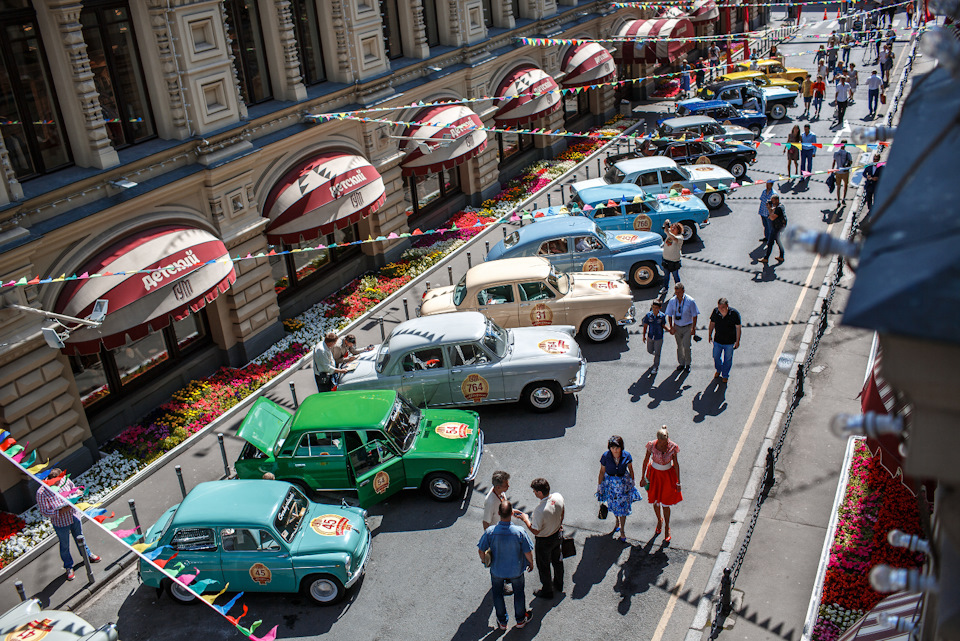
(657, 175)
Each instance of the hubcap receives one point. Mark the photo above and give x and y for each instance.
(738, 170)
(180, 592)
(643, 276)
(687, 232)
(778, 112)
(441, 488)
(714, 200)
(542, 397)
(323, 590)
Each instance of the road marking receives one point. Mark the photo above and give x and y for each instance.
(832, 25)
(725, 479)
(766, 132)
(840, 132)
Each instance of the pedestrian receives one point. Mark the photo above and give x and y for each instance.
(832, 54)
(663, 476)
(764, 210)
(820, 56)
(822, 69)
(346, 350)
(500, 483)
(616, 485)
(882, 55)
(714, 54)
(843, 95)
(546, 523)
(775, 54)
(685, 79)
(511, 552)
(324, 366)
(682, 315)
(819, 90)
(63, 518)
(874, 83)
(807, 90)
(845, 47)
(724, 333)
(672, 244)
(653, 323)
(888, 66)
(909, 10)
(269, 476)
(842, 161)
(808, 149)
(871, 175)
(853, 79)
(700, 75)
(778, 221)
(792, 150)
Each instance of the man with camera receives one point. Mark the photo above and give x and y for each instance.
(682, 315)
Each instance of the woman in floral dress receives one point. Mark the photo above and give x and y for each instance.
(616, 485)
(663, 474)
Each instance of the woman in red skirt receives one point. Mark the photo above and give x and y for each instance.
(663, 474)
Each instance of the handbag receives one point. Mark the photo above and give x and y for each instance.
(883, 99)
(602, 514)
(831, 182)
(568, 547)
(487, 558)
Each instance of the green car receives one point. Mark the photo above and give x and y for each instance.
(258, 536)
(373, 442)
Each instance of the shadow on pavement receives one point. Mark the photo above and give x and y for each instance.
(671, 388)
(599, 554)
(711, 401)
(639, 573)
(499, 422)
(413, 511)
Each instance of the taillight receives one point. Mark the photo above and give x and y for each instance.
(424, 296)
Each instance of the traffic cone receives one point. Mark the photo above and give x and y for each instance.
(825, 17)
(838, 13)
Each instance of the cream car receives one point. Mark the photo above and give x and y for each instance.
(530, 292)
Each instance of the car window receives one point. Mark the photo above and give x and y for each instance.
(370, 455)
(497, 295)
(198, 539)
(290, 515)
(430, 358)
(776, 69)
(468, 354)
(496, 338)
(586, 244)
(614, 175)
(665, 130)
(511, 240)
(671, 176)
(536, 290)
(248, 540)
(553, 247)
(319, 444)
(678, 151)
(648, 179)
(606, 212)
(638, 208)
(459, 293)
(730, 94)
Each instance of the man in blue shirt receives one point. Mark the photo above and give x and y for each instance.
(807, 150)
(682, 315)
(764, 211)
(653, 323)
(511, 551)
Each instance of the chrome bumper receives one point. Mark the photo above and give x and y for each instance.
(580, 381)
(629, 318)
(363, 564)
(475, 468)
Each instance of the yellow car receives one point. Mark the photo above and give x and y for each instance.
(762, 80)
(772, 68)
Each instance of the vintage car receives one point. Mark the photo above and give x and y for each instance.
(374, 443)
(773, 100)
(762, 80)
(722, 111)
(259, 536)
(659, 175)
(464, 358)
(525, 292)
(773, 68)
(576, 243)
(28, 621)
(707, 127)
(732, 156)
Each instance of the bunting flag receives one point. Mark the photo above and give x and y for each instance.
(269, 636)
(223, 609)
(210, 598)
(112, 525)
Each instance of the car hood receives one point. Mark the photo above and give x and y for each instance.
(736, 130)
(262, 424)
(538, 343)
(330, 529)
(593, 182)
(709, 173)
(591, 284)
(774, 93)
(52, 625)
(620, 241)
(438, 300)
(365, 370)
(450, 432)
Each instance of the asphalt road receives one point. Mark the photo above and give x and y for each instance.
(424, 580)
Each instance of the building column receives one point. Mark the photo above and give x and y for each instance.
(420, 48)
(279, 39)
(481, 174)
(10, 189)
(603, 102)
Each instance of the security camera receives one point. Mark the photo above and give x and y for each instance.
(99, 312)
(53, 339)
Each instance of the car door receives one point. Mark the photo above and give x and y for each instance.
(255, 560)
(588, 251)
(475, 375)
(318, 458)
(377, 468)
(644, 217)
(678, 152)
(424, 376)
(732, 95)
(196, 547)
(650, 181)
(557, 251)
(499, 304)
(670, 177)
(540, 305)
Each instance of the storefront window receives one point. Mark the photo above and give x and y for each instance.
(488, 13)
(140, 356)
(575, 106)
(423, 193)
(305, 22)
(510, 144)
(91, 379)
(392, 41)
(431, 23)
(298, 269)
(246, 42)
(30, 120)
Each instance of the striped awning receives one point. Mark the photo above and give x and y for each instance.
(518, 103)
(445, 136)
(704, 11)
(672, 12)
(587, 63)
(902, 604)
(326, 192)
(642, 46)
(185, 268)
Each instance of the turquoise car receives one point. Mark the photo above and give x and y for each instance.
(624, 206)
(258, 536)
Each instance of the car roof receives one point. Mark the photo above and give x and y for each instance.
(559, 225)
(231, 502)
(603, 193)
(707, 104)
(687, 121)
(647, 162)
(723, 84)
(343, 409)
(440, 329)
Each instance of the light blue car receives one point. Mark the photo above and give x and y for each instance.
(627, 206)
(577, 244)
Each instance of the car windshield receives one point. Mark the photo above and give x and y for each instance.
(559, 280)
(683, 110)
(290, 515)
(284, 432)
(403, 423)
(575, 202)
(613, 175)
(383, 356)
(665, 129)
(708, 93)
(495, 339)
(460, 291)
(509, 241)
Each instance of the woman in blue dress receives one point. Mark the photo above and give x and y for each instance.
(616, 485)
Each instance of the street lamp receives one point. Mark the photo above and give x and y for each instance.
(54, 338)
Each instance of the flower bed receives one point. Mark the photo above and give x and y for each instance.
(199, 403)
(874, 504)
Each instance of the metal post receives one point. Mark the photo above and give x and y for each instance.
(450, 274)
(428, 285)
(587, 168)
(223, 454)
(486, 247)
(183, 488)
(504, 229)
(599, 167)
(293, 393)
(798, 392)
(769, 479)
(383, 335)
(81, 543)
(521, 220)
(726, 586)
(133, 511)
(406, 309)
(469, 260)
(549, 202)
(20, 590)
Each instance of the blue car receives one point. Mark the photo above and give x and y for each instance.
(721, 111)
(627, 206)
(576, 244)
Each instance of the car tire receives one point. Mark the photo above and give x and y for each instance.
(542, 396)
(689, 231)
(179, 593)
(714, 200)
(756, 131)
(442, 486)
(643, 275)
(738, 169)
(598, 329)
(323, 589)
(778, 111)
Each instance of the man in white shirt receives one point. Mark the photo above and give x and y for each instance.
(874, 83)
(324, 365)
(682, 312)
(842, 160)
(843, 95)
(547, 525)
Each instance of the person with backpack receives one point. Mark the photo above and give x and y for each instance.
(778, 222)
(842, 161)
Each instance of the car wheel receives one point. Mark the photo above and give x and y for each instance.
(544, 396)
(778, 111)
(323, 589)
(643, 274)
(714, 200)
(738, 169)
(180, 594)
(442, 486)
(598, 329)
(756, 131)
(689, 231)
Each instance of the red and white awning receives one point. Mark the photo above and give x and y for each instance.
(186, 268)
(704, 11)
(516, 109)
(905, 605)
(672, 12)
(588, 63)
(326, 192)
(445, 136)
(640, 31)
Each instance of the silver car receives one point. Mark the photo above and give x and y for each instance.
(28, 620)
(463, 358)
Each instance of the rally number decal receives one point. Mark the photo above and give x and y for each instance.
(475, 388)
(554, 346)
(453, 430)
(331, 525)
